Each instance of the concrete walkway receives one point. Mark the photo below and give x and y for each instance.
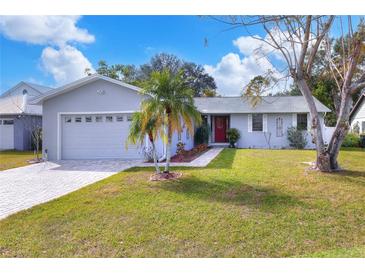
(24, 187)
(202, 161)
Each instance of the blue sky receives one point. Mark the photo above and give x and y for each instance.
(54, 50)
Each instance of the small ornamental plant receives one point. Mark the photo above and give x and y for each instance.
(297, 138)
(233, 137)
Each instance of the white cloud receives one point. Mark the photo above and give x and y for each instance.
(234, 71)
(60, 34)
(44, 30)
(65, 64)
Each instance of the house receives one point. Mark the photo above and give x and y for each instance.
(263, 126)
(357, 115)
(17, 117)
(90, 118)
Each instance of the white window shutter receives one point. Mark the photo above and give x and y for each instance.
(264, 122)
(294, 120)
(249, 122)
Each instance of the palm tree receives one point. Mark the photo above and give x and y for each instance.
(143, 125)
(170, 98)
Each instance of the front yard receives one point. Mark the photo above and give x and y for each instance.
(12, 158)
(246, 203)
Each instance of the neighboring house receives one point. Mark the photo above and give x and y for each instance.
(357, 115)
(90, 118)
(18, 117)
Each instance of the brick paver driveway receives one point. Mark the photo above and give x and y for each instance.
(24, 187)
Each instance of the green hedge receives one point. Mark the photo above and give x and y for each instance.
(351, 140)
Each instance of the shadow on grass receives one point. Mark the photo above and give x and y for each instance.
(351, 173)
(232, 192)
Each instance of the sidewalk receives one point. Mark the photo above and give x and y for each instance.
(202, 161)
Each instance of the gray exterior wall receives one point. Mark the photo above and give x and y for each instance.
(22, 130)
(85, 99)
(257, 139)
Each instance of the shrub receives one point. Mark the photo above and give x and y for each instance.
(233, 136)
(356, 128)
(351, 140)
(362, 140)
(297, 138)
(202, 135)
(180, 148)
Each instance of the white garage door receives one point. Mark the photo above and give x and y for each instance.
(97, 136)
(6, 134)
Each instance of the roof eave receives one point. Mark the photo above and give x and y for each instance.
(78, 83)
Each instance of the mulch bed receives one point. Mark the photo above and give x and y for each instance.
(188, 155)
(165, 176)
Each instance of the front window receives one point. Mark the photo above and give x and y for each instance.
(88, 119)
(68, 119)
(302, 122)
(78, 120)
(119, 118)
(98, 119)
(8, 122)
(109, 118)
(257, 122)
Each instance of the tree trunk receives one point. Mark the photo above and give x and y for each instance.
(155, 156)
(169, 140)
(168, 153)
(341, 129)
(323, 162)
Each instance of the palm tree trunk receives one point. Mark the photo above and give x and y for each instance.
(155, 157)
(168, 154)
(169, 141)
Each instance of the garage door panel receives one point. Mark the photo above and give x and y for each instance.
(96, 140)
(6, 134)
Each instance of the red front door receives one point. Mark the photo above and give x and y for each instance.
(220, 127)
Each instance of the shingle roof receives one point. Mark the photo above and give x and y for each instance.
(269, 104)
(40, 88)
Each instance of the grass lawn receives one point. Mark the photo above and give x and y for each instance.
(246, 203)
(12, 158)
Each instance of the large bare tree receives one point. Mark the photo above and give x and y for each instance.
(298, 41)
